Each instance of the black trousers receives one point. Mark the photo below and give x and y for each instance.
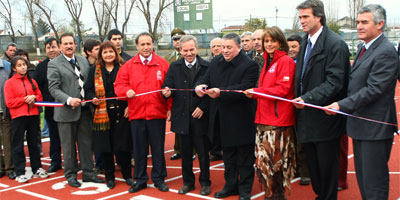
(201, 143)
(239, 170)
(124, 160)
(19, 126)
(371, 163)
(55, 143)
(323, 166)
(145, 133)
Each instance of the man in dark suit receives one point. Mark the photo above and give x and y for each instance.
(189, 113)
(66, 75)
(321, 78)
(52, 51)
(373, 78)
(232, 114)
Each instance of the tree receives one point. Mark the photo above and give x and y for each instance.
(41, 4)
(354, 6)
(296, 23)
(42, 27)
(75, 9)
(7, 16)
(102, 17)
(253, 24)
(32, 14)
(334, 27)
(331, 11)
(152, 23)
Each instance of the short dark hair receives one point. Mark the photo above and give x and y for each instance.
(144, 34)
(50, 40)
(21, 52)
(317, 8)
(276, 34)
(295, 38)
(118, 59)
(114, 32)
(66, 35)
(89, 44)
(11, 44)
(232, 36)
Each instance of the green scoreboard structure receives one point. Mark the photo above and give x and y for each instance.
(193, 14)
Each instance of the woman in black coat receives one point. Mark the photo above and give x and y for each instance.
(111, 130)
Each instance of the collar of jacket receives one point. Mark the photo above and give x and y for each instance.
(200, 61)
(318, 46)
(153, 62)
(236, 60)
(277, 55)
(18, 76)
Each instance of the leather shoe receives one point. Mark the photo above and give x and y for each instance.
(185, 189)
(2, 174)
(94, 180)
(175, 156)
(129, 181)
(244, 198)
(136, 187)
(224, 193)
(12, 175)
(110, 184)
(53, 169)
(74, 183)
(305, 181)
(215, 157)
(205, 190)
(162, 187)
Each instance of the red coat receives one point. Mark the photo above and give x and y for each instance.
(140, 78)
(15, 90)
(276, 79)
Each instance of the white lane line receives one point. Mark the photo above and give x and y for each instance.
(194, 195)
(4, 185)
(350, 156)
(34, 183)
(114, 195)
(144, 197)
(35, 194)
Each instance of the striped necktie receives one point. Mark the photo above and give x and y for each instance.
(77, 71)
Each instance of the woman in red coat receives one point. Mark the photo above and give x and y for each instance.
(275, 150)
(21, 92)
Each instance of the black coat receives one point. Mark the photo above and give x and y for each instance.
(325, 81)
(40, 77)
(185, 102)
(235, 111)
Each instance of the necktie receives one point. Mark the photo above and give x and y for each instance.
(306, 57)
(362, 52)
(145, 61)
(190, 66)
(77, 71)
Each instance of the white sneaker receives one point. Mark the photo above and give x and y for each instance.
(41, 173)
(22, 179)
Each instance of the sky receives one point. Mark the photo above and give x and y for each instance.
(225, 13)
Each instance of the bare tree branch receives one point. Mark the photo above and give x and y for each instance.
(354, 6)
(75, 9)
(102, 17)
(31, 12)
(124, 25)
(8, 17)
(48, 13)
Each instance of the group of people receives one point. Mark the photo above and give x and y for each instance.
(252, 133)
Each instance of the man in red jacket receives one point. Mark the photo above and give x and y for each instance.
(143, 73)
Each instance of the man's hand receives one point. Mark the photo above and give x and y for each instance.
(30, 99)
(131, 94)
(75, 102)
(168, 115)
(334, 106)
(300, 100)
(96, 101)
(201, 90)
(213, 92)
(166, 92)
(197, 113)
(248, 94)
(126, 112)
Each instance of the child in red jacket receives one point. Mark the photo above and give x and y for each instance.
(21, 92)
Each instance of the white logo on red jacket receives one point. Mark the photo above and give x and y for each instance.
(272, 68)
(159, 75)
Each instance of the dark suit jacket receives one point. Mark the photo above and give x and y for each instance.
(185, 102)
(325, 81)
(235, 111)
(371, 91)
(63, 83)
(41, 79)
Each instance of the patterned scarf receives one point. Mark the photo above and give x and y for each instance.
(101, 122)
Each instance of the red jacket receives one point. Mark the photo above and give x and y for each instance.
(276, 79)
(15, 90)
(140, 78)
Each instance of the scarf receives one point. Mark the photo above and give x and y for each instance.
(101, 122)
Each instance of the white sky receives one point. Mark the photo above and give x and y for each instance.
(226, 12)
